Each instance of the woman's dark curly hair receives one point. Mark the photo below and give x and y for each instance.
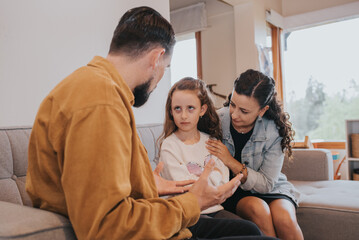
(255, 84)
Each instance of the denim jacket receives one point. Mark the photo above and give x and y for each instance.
(264, 155)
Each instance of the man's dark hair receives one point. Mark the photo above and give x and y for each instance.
(141, 29)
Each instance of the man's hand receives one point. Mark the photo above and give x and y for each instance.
(207, 195)
(166, 187)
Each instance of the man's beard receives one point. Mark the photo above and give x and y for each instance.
(142, 93)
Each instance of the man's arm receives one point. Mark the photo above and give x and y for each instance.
(108, 194)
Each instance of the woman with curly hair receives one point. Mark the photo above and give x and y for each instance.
(256, 136)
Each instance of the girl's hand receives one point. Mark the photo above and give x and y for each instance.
(218, 149)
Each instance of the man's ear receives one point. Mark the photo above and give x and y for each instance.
(203, 110)
(263, 111)
(156, 55)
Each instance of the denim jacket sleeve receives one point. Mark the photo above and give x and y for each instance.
(264, 165)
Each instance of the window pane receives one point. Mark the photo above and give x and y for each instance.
(268, 48)
(265, 54)
(184, 59)
(322, 79)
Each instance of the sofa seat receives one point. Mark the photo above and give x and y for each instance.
(339, 195)
(332, 205)
(23, 222)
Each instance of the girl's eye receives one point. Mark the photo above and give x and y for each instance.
(190, 107)
(177, 109)
(243, 111)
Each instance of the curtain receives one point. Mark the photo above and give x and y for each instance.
(277, 59)
(189, 19)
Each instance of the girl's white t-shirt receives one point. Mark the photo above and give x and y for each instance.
(183, 162)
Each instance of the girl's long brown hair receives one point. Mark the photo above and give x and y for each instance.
(208, 123)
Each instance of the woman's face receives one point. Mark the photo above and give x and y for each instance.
(244, 111)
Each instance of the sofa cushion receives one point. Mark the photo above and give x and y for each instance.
(328, 207)
(319, 160)
(13, 164)
(149, 134)
(22, 222)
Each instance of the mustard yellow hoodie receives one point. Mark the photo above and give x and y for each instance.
(87, 162)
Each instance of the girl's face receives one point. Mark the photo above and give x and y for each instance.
(244, 110)
(186, 110)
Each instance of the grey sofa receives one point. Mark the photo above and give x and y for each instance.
(328, 209)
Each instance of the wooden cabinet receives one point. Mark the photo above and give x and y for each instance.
(352, 126)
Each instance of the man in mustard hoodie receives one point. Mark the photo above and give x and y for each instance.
(87, 162)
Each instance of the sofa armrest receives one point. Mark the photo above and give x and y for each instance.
(22, 222)
(309, 165)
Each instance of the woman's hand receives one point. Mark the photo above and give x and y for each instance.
(218, 149)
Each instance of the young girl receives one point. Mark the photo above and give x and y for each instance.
(256, 134)
(191, 120)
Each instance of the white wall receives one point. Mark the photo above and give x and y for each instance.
(218, 51)
(42, 41)
(229, 42)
